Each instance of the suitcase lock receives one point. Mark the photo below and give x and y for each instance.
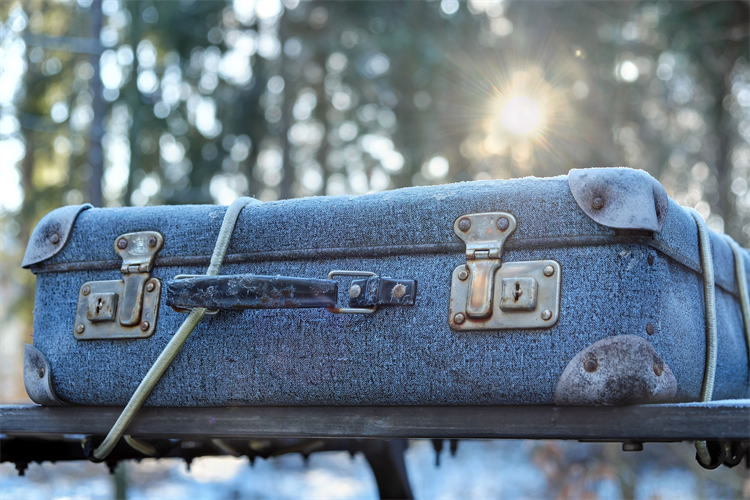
(487, 294)
(126, 308)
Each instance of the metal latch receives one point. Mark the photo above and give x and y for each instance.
(487, 294)
(125, 308)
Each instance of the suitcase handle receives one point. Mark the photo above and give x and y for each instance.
(250, 291)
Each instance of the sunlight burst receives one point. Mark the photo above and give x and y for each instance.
(525, 110)
(521, 115)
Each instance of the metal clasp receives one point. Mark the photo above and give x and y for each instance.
(484, 235)
(487, 294)
(125, 308)
(351, 310)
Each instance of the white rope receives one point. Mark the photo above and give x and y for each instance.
(709, 292)
(176, 342)
(741, 277)
(141, 446)
(226, 448)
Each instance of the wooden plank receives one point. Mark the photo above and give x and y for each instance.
(726, 420)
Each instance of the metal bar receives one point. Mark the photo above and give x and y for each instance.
(249, 291)
(671, 422)
(389, 468)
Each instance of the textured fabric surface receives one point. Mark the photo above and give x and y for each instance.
(400, 355)
(413, 216)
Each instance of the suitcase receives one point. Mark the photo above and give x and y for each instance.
(592, 289)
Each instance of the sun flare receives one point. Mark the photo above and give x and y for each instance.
(521, 115)
(525, 110)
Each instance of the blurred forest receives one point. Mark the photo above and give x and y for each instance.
(141, 103)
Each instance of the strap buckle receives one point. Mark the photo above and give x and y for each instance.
(351, 310)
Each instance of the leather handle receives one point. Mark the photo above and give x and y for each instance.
(250, 291)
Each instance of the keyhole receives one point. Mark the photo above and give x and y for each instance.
(517, 292)
(98, 305)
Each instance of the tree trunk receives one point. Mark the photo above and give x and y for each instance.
(95, 156)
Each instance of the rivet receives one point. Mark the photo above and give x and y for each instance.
(398, 291)
(86, 290)
(122, 243)
(463, 274)
(41, 372)
(546, 314)
(80, 329)
(459, 318)
(658, 369)
(502, 223)
(150, 287)
(55, 238)
(650, 329)
(549, 270)
(355, 291)
(144, 326)
(591, 365)
(651, 259)
(152, 241)
(597, 203)
(464, 224)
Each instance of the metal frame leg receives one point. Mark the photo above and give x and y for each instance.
(388, 465)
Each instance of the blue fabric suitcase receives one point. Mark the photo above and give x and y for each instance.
(593, 288)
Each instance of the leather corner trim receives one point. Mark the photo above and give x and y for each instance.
(51, 234)
(37, 378)
(620, 198)
(616, 371)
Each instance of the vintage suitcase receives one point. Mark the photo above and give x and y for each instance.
(580, 289)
